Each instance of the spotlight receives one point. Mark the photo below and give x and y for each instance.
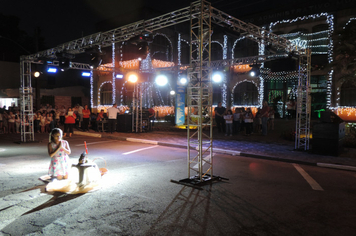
(183, 81)
(133, 78)
(86, 74)
(52, 70)
(119, 76)
(37, 74)
(255, 70)
(172, 92)
(217, 77)
(161, 80)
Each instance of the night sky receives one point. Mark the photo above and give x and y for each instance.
(66, 20)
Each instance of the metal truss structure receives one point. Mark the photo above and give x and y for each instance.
(200, 96)
(303, 108)
(201, 16)
(26, 94)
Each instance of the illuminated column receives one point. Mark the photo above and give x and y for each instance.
(261, 51)
(179, 50)
(113, 72)
(91, 88)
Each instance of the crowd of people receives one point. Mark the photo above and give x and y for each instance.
(47, 118)
(242, 120)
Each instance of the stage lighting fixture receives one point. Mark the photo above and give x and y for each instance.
(37, 74)
(133, 78)
(119, 76)
(183, 81)
(161, 80)
(217, 77)
(172, 92)
(52, 70)
(86, 74)
(255, 70)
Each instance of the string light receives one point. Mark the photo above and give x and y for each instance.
(330, 31)
(91, 88)
(99, 90)
(113, 73)
(225, 48)
(161, 64)
(179, 49)
(170, 42)
(233, 47)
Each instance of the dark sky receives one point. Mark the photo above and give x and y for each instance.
(65, 20)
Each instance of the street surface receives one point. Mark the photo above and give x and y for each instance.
(261, 197)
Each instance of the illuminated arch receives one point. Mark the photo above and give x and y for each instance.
(99, 90)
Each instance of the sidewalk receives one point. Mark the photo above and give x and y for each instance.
(271, 147)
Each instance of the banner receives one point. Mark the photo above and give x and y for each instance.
(180, 105)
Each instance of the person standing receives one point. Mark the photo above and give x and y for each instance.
(264, 117)
(69, 122)
(219, 117)
(86, 116)
(112, 116)
(11, 122)
(62, 115)
(248, 121)
(80, 115)
(228, 121)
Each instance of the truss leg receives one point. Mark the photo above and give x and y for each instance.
(199, 91)
(303, 103)
(26, 93)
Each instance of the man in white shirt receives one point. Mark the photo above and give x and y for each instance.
(112, 116)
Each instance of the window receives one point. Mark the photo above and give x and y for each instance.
(246, 93)
(106, 94)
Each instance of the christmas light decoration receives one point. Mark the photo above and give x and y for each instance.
(330, 31)
(113, 72)
(161, 64)
(99, 90)
(179, 49)
(233, 47)
(225, 48)
(170, 43)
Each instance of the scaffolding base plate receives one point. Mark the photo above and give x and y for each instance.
(195, 182)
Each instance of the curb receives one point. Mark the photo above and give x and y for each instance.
(222, 151)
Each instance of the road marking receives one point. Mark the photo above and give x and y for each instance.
(309, 179)
(141, 141)
(138, 150)
(95, 143)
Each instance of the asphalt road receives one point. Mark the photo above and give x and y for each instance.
(137, 198)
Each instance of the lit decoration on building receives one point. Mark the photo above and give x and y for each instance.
(225, 48)
(146, 64)
(233, 47)
(161, 64)
(179, 49)
(99, 90)
(345, 113)
(241, 68)
(130, 64)
(170, 43)
(239, 82)
(91, 89)
(347, 23)
(113, 72)
(330, 31)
